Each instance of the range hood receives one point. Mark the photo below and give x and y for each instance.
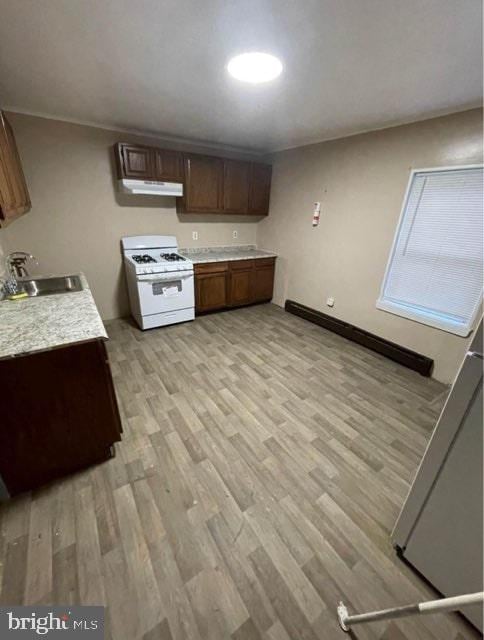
(150, 187)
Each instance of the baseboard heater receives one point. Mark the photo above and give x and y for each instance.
(410, 359)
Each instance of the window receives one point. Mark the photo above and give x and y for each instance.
(434, 274)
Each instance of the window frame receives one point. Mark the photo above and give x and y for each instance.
(410, 312)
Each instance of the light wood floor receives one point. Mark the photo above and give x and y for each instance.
(263, 465)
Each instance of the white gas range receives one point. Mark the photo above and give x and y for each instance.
(160, 281)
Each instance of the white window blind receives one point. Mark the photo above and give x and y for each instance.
(434, 274)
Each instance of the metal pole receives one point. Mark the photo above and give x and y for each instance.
(432, 606)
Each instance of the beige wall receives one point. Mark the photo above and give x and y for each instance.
(77, 218)
(361, 182)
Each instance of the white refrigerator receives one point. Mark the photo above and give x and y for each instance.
(440, 528)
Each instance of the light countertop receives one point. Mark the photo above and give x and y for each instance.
(199, 255)
(45, 322)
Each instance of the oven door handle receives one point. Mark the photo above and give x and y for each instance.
(169, 277)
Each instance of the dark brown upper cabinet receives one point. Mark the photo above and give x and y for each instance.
(204, 178)
(136, 162)
(223, 185)
(168, 165)
(260, 188)
(148, 163)
(14, 195)
(236, 186)
(211, 184)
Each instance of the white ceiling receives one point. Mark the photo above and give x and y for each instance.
(158, 66)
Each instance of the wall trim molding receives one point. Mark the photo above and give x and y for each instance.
(440, 113)
(411, 359)
(189, 142)
(249, 151)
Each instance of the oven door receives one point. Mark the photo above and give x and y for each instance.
(166, 292)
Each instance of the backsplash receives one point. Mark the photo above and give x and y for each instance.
(218, 249)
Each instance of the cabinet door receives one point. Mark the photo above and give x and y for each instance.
(7, 194)
(21, 194)
(53, 430)
(236, 186)
(136, 162)
(14, 195)
(210, 291)
(203, 184)
(240, 283)
(260, 188)
(263, 280)
(168, 165)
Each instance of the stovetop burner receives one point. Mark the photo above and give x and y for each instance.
(172, 257)
(143, 259)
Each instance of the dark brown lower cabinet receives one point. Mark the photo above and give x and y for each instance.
(220, 285)
(210, 286)
(263, 279)
(60, 414)
(240, 282)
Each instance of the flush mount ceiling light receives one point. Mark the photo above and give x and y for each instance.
(254, 67)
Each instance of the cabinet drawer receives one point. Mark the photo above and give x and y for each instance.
(241, 265)
(264, 262)
(210, 267)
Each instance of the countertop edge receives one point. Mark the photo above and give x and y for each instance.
(205, 256)
(61, 345)
(93, 331)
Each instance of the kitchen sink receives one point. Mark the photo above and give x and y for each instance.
(51, 286)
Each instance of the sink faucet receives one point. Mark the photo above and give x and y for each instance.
(16, 269)
(15, 263)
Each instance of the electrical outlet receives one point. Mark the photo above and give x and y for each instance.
(330, 302)
(235, 234)
(194, 235)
